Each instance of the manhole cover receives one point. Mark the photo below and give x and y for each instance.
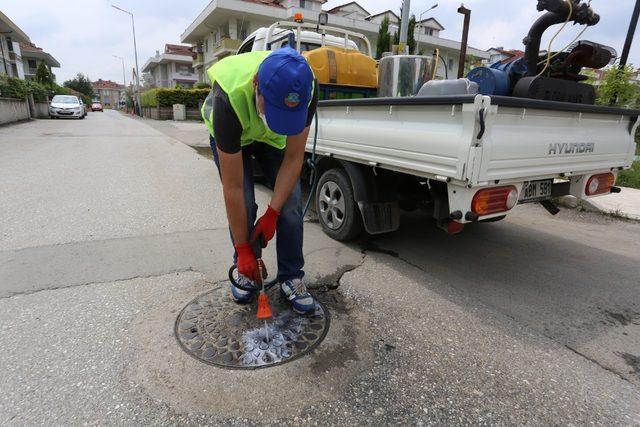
(215, 330)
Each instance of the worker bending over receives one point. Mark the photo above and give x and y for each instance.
(261, 105)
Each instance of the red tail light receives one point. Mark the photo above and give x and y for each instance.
(494, 200)
(600, 184)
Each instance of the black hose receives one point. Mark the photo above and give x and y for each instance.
(533, 39)
(446, 70)
(311, 163)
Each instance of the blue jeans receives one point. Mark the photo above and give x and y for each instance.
(290, 222)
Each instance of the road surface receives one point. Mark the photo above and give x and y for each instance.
(110, 226)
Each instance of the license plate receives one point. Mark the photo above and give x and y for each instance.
(533, 191)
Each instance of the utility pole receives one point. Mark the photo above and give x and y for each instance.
(465, 36)
(404, 25)
(135, 50)
(630, 34)
(627, 44)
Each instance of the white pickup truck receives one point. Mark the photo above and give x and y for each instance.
(461, 159)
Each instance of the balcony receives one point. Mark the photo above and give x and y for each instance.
(198, 61)
(225, 47)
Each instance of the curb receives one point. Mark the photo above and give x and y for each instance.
(572, 202)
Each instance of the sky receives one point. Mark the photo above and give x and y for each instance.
(83, 35)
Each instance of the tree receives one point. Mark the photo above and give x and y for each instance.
(80, 83)
(148, 82)
(384, 38)
(470, 63)
(411, 37)
(616, 84)
(43, 76)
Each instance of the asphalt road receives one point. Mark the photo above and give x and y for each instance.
(110, 226)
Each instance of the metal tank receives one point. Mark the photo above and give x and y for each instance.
(403, 75)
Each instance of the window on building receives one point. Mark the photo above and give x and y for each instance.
(9, 44)
(206, 45)
(184, 69)
(451, 64)
(303, 4)
(428, 31)
(32, 64)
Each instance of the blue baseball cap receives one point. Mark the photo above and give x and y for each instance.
(285, 81)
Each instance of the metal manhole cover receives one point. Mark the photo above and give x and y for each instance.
(215, 330)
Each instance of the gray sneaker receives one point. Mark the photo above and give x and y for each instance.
(240, 295)
(296, 292)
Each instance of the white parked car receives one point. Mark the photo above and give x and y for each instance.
(66, 106)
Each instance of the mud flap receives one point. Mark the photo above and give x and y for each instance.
(380, 217)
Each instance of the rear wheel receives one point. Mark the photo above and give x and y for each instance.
(336, 208)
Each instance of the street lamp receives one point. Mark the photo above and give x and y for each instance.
(135, 50)
(124, 79)
(422, 26)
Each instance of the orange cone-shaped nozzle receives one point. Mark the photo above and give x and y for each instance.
(264, 309)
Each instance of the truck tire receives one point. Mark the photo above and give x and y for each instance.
(337, 210)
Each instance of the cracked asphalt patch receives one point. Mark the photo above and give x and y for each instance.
(396, 351)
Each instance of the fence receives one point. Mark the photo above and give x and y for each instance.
(166, 113)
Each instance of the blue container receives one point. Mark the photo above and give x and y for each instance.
(492, 81)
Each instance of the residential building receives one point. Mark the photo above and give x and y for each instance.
(429, 27)
(350, 10)
(220, 28)
(108, 93)
(32, 56)
(497, 54)
(171, 68)
(598, 76)
(394, 20)
(10, 38)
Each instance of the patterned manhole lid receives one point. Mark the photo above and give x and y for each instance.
(215, 330)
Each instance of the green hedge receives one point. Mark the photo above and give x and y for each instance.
(168, 97)
(13, 87)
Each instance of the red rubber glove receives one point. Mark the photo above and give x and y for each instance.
(266, 226)
(246, 262)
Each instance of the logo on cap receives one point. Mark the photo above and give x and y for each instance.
(292, 100)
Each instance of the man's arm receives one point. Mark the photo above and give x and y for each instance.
(227, 131)
(231, 169)
(289, 169)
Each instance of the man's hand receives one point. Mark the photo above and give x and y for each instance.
(266, 226)
(246, 262)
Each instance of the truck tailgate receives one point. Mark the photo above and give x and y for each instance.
(539, 139)
(423, 137)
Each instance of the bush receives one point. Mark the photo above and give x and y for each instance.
(13, 87)
(168, 97)
(149, 98)
(202, 85)
(631, 177)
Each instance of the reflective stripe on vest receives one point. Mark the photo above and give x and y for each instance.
(235, 75)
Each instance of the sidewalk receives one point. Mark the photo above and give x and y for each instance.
(625, 204)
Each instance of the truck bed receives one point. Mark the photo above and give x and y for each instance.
(477, 139)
